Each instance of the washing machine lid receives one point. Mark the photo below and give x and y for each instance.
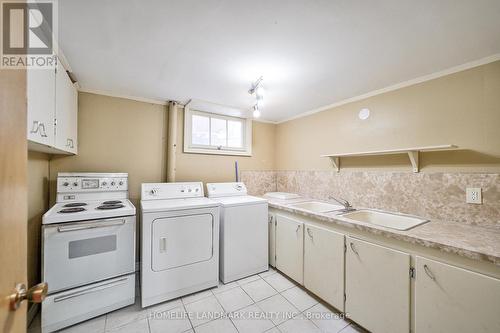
(149, 206)
(239, 200)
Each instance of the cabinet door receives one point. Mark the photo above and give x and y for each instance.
(41, 105)
(377, 287)
(66, 112)
(324, 264)
(290, 247)
(452, 299)
(272, 239)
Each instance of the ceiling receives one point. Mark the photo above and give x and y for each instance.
(311, 53)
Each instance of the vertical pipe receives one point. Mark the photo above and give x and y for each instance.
(172, 141)
(237, 176)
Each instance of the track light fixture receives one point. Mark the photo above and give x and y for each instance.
(258, 90)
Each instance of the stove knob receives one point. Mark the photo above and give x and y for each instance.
(104, 183)
(113, 183)
(75, 184)
(65, 184)
(153, 192)
(120, 183)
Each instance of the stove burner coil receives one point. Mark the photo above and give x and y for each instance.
(71, 210)
(75, 204)
(116, 206)
(112, 202)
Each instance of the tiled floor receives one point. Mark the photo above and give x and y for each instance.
(267, 302)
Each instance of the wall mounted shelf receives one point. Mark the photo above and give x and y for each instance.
(413, 154)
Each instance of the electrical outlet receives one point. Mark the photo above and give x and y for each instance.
(473, 195)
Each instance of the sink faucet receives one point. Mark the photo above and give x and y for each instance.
(347, 205)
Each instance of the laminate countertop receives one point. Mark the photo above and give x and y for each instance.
(470, 241)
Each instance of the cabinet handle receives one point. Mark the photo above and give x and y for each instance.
(298, 228)
(309, 233)
(69, 143)
(353, 248)
(429, 273)
(270, 219)
(35, 127)
(43, 134)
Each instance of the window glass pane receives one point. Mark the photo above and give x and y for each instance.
(234, 133)
(218, 132)
(200, 129)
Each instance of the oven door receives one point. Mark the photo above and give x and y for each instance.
(80, 253)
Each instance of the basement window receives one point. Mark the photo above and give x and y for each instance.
(210, 133)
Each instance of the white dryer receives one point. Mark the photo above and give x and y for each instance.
(244, 231)
(180, 241)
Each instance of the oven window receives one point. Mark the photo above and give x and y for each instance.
(91, 246)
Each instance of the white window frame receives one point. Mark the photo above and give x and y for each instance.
(189, 147)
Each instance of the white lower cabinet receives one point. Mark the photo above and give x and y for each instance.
(452, 299)
(377, 286)
(290, 247)
(272, 239)
(324, 264)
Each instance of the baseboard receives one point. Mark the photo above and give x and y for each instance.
(32, 312)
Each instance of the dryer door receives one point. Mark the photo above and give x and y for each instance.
(181, 240)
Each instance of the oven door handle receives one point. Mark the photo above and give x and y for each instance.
(90, 226)
(91, 290)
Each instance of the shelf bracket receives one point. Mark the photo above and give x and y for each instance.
(336, 162)
(413, 155)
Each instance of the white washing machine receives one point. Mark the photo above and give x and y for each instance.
(180, 241)
(243, 232)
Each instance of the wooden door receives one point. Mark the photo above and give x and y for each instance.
(13, 195)
(452, 299)
(377, 287)
(272, 239)
(324, 264)
(290, 247)
(66, 112)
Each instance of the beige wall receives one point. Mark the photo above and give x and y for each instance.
(38, 203)
(121, 135)
(117, 135)
(220, 168)
(461, 109)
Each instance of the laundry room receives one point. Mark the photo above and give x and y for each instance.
(219, 166)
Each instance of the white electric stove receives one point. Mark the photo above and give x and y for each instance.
(88, 249)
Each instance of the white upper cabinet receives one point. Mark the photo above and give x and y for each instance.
(66, 112)
(377, 286)
(52, 111)
(453, 299)
(324, 264)
(41, 105)
(290, 247)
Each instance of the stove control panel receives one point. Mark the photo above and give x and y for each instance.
(155, 191)
(91, 184)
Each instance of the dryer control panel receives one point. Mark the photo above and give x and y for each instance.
(215, 190)
(161, 191)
